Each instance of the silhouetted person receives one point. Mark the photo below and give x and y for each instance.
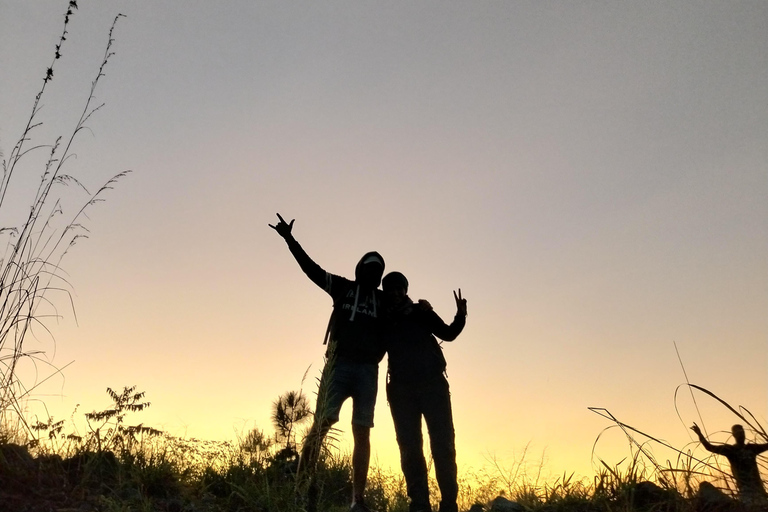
(743, 459)
(417, 388)
(355, 349)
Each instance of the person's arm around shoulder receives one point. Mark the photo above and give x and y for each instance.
(312, 269)
(451, 332)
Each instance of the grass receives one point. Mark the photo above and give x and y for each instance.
(119, 466)
(37, 239)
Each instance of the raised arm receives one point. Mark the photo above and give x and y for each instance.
(452, 331)
(312, 269)
(706, 444)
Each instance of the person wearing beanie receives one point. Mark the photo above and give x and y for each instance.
(417, 388)
(355, 348)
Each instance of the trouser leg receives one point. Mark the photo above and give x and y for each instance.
(406, 416)
(442, 438)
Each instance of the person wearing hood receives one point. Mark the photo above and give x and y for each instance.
(355, 348)
(417, 388)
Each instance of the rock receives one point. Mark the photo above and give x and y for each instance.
(649, 495)
(15, 455)
(502, 504)
(16, 464)
(711, 499)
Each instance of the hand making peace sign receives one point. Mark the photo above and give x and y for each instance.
(461, 304)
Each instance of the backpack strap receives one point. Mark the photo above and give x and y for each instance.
(331, 322)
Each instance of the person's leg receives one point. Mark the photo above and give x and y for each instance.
(363, 393)
(406, 415)
(361, 457)
(442, 438)
(333, 391)
(310, 452)
(306, 484)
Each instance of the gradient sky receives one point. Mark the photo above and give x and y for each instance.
(592, 175)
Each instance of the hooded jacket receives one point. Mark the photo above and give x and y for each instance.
(355, 328)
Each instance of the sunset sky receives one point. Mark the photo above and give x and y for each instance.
(592, 175)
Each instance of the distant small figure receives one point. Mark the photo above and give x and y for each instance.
(743, 459)
(417, 388)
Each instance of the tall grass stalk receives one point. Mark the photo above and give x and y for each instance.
(30, 268)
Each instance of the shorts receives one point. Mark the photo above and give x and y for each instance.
(346, 379)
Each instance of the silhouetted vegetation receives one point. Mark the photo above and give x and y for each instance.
(37, 239)
(118, 465)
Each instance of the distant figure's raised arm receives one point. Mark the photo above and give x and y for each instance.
(312, 269)
(709, 446)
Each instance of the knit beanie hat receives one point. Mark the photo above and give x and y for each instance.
(395, 279)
